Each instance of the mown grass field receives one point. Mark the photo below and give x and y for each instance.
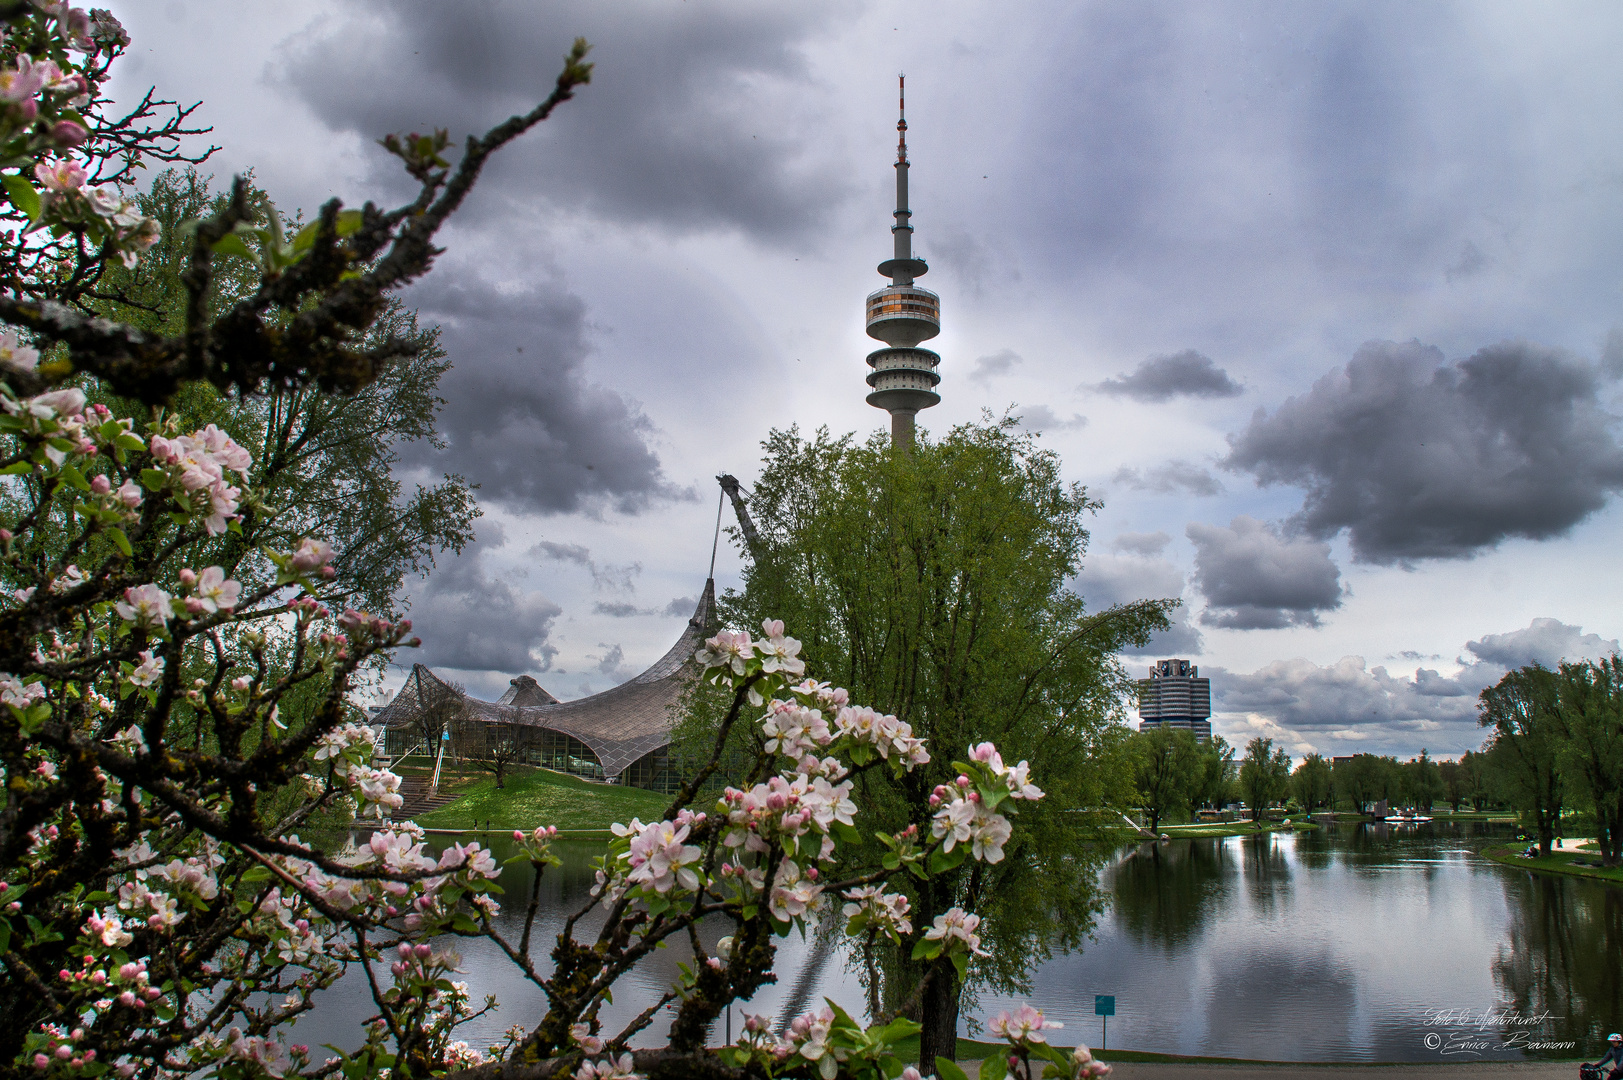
(535, 797)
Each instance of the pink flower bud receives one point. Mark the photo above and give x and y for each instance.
(41, 1061)
(195, 605)
(27, 109)
(5, 536)
(518, 835)
(963, 781)
(423, 952)
(935, 801)
(153, 993)
(188, 576)
(66, 134)
(64, 1052)
(99, 484)
(405, 950)
(90, 1055)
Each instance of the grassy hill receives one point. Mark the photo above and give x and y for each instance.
(535, 797)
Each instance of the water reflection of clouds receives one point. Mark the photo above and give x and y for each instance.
(1329, 946)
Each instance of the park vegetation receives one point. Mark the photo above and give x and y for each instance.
(179, 638)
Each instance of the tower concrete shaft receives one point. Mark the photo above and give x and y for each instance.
(901, 315)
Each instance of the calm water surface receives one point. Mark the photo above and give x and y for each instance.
(1366, 943)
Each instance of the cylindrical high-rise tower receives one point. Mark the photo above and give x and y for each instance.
(902, 315)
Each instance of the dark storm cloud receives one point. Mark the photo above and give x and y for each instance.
(1255, 579)
(1184, 374)
(1173, 478)
(521, 419)
(689, 121)
(1544, 641)
(472, 621)
(1421, 459)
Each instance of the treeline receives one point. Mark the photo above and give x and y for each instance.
(1176, 776)
(1557, 744)
(1555, 747)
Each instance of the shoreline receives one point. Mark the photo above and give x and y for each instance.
(1557, 862)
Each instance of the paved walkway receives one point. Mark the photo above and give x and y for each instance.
(1499, 1070)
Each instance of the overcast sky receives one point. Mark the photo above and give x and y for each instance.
(1322, 300)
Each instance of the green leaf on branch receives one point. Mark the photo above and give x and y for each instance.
(23, 195)
(949, 1070)
(994, 1067)
(17, 468)
(121, 542)
(942, 860)
(154, 479)
(73, 476)
(232, 244)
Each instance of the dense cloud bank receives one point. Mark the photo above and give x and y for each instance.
(1254, 578)
(1421, 459)
(1350, 707)
(471, 620)
(520, 418)
(691, 122)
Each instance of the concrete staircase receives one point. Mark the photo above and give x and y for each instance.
(414, 789)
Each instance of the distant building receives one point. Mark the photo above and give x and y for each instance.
(1175, 696)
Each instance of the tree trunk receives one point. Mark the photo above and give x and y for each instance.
(938, 1013)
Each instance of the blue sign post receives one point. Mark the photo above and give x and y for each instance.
(1104, 1007)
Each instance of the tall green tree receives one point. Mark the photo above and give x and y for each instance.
(1264, 775)
(1215, 782)
(1525, 747)
(1589, 704)
(1310, 783)
(1422, 782)
(1166, 771)
(935, 584)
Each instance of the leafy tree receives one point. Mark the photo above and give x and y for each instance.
(1166, 768)
(326, 465)
(1525, 747)
(162, 916)
(1422, 781)
(935, 584)
(1456, 790)
(1310, 783)
(1264, 775)
(1214, 782)
(1589, 704)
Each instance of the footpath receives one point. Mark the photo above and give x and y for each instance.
(1189, 1070)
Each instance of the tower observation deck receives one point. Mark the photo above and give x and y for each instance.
(901, 315)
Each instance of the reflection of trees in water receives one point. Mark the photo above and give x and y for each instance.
(1562, 959)
(1267, 873)
(1165, 893)
(1303, 1005)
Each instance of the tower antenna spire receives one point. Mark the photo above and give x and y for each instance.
(904, 376)
(901, 122)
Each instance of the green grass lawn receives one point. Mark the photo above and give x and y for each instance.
(535, 797)
(1557, 862)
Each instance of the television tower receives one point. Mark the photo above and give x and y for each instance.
(902, 315)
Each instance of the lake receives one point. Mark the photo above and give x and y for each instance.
(1349, 943)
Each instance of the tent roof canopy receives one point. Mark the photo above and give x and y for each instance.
(620, 725)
